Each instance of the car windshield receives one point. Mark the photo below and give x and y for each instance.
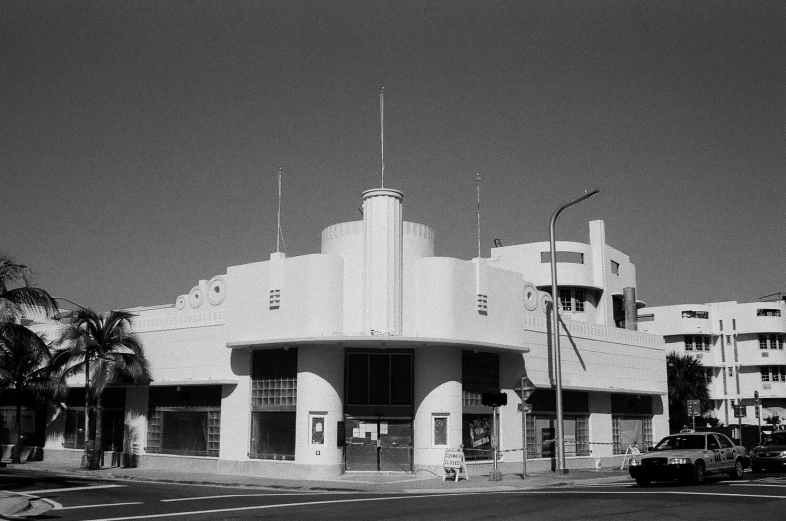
(683, 441)
(778, 438)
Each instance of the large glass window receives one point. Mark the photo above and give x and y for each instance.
(112, 419)
(27, 427)
(273, 403)
(631, 422)
(541, 424)
(273, 435)
(379, 379)
(631, 431)
(541, 435)
(185, 420)
(193, 432)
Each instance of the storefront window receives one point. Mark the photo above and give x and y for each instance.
(185, 420)
(631, 422)
(273, 435)
(479, 374)
(477, 434)
(273, 405)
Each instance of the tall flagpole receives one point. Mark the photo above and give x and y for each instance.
(278, 231)
(382, 130)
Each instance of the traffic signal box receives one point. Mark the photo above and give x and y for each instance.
(494, 399)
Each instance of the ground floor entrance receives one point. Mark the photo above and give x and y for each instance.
(378, 444)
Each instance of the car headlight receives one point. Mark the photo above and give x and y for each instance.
(680, 461)
(635, 463)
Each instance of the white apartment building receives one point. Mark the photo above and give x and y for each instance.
(740, 344)
(373, 354)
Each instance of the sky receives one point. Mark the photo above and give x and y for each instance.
(140, 141)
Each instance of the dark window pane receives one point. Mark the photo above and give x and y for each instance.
(185, 396)
(401, 379)
(184, 433)
(379, 379)
(274, 363)
(273, 435)
(357, 379)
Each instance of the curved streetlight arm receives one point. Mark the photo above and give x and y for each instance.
(555, 328)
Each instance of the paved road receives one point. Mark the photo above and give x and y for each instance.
(758, 497)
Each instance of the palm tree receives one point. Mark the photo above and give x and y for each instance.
(104, 347)
(687, 380)
(23, 355)
(25, 359)
(17, 296)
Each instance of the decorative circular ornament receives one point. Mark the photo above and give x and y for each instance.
(545, 301)
(216, 290)
(196, 298)
(180, 303)
(530, 296)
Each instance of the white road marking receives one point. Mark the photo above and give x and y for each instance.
(639, 491)
(100, 506)
(758, 485)
(268, 507)
(69, 489)
(240, 495)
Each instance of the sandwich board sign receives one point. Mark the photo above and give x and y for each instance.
(454, 465)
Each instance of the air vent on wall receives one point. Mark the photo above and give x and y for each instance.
(483, 304)
(275, 298)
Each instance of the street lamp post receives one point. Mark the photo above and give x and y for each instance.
(555, 330)
(87, 389)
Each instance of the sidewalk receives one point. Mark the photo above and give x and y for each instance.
(420, 483)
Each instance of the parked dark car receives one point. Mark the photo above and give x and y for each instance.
(771, 454)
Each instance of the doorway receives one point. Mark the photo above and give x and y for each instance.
(378, 444)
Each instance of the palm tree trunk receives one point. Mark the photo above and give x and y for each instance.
(17, 450)
(98, 450)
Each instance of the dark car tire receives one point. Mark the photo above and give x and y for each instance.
(739, 470)
(699, 473)
(643, 482)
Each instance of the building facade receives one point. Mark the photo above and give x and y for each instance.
(741, 345)
(373, 354)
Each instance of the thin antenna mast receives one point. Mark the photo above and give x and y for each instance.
(278, 231)
(382, 131)
(477, 268)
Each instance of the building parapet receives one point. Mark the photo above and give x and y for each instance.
(595, 332)
(178, 321)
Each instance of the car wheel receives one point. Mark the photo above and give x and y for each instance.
(699, 473)
(738, 471)
(643, 482)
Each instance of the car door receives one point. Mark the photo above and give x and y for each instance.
(716, 456)
(729, 452)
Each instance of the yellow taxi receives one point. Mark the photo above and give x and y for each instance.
(689, 457)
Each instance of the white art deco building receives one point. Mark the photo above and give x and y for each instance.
(741, 346)
(372, 355)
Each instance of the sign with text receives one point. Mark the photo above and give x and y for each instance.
(454, 465)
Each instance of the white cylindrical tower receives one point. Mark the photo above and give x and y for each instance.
(382, 265)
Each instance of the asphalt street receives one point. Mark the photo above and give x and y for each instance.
(757, 497)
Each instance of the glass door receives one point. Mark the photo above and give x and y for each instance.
(379, 444)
